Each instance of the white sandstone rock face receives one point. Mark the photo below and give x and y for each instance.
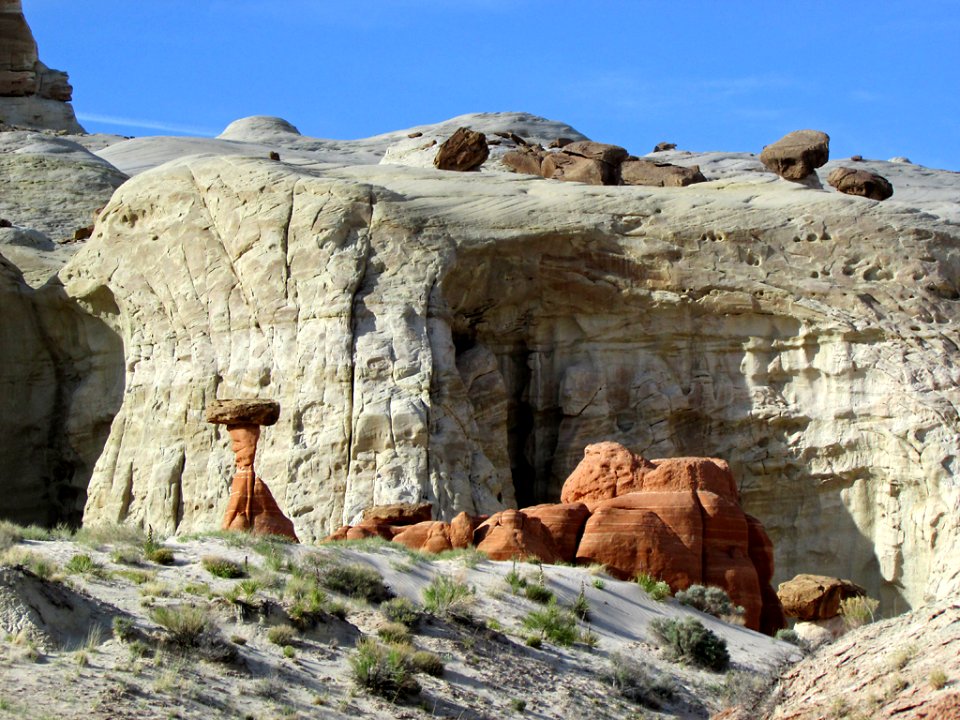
(459, 337)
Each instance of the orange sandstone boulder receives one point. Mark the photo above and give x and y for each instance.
(659, 533)
(462, 528)
(564, 525)
(607, 470)
(816, 597)
(511, 534)
(429, 536)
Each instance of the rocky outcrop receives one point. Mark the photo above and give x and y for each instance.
(816, 597)
(250, 506)
(860, 182)
(465, 150)
(765, 324)
(31, 94)
(647, 172)
(796, 155)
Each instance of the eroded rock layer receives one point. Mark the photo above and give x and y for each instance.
(805, 336)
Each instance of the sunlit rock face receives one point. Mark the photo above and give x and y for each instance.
(459, 338)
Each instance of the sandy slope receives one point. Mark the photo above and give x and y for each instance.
(489, 669)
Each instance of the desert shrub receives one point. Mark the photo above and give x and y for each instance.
(538, 593)
(789, 635)
(161, 556)
(554, 623)
(356, 581)
(636, 683)
(124, 628)
(581, 606)
(401, 610)
(599, 584)
(427, 662)
(750, 690)
(273, 549)
(468, 557)
(392, 632)
(97, 536)
(383, 670)
(655, 588)
(10, 534)
(190, 628)
(289, 652)
(937, 679)
(83, 565)
(533, 641)
(222, 567)
(687, 640)
(518, 704)
(515, 580)
(281, 635)
(446, 596)
(858, 611)
(711, 600)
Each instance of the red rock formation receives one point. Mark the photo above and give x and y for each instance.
(429, 536)
(564, 525)
(677, 519)
(462, 528)
(510, 534)
(251, 505)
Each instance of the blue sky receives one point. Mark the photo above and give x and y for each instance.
(880, 77)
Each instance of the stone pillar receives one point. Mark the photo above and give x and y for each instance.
(251, 506)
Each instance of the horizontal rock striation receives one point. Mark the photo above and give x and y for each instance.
(459, 338)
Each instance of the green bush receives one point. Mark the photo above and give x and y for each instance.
(401, 610)
(160, 556)
(554, 623)
(124, 628)
(581, 606)
(790, 636)
(655, 588)
(190, 628)
(538, 593)
(32, 561)
(427, 662)
(83, 565)
(384, 671)
(711, 600)
(356, 581)
(446, 596)
(392, 632)
(222, 568)
(636, 683)
(687, 640)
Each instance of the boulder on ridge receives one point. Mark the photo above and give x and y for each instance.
(797, 154)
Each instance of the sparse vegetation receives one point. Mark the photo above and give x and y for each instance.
(538, 593)
(281, 634)
(356, 581)
(83, 565)
(902, 657)
(222, 567)
(161, 556)
(190, 628)
(937, 679)
(401, 610)
(581, 606)
(789, 635)
(858, 610)
(518, 705)
(636, 683)
(30, 560)
(427, 662)
(654, 587)
(446, 596)
(554, 623)
(392, 632)
(383, 670)
(124, 629)
(599, 584)
(711, 600)
(687, 640)
(97, 536)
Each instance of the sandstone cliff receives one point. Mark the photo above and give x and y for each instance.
(459, 338)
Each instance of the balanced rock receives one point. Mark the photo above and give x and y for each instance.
(816, 597)
(647, 172)
(612, 155)
(664, 146)
(465, 150)
(860, 182)
(797, 154)
(243, 412)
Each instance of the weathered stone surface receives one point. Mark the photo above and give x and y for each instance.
(243, 411)
(397, 514)
(660, 533)
(251, 506)
(647, 172)
(465, 150)
(860, 182)
(462, 528)
(815, 597)
(797, 154)
(605, 153)
(706, 319)
(525, 160)
(429, 536)
(563, 523)
(572, 168)
(31, 94)
(608, 469)
(511, 534)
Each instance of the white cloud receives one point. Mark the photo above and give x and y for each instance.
(146, 124)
